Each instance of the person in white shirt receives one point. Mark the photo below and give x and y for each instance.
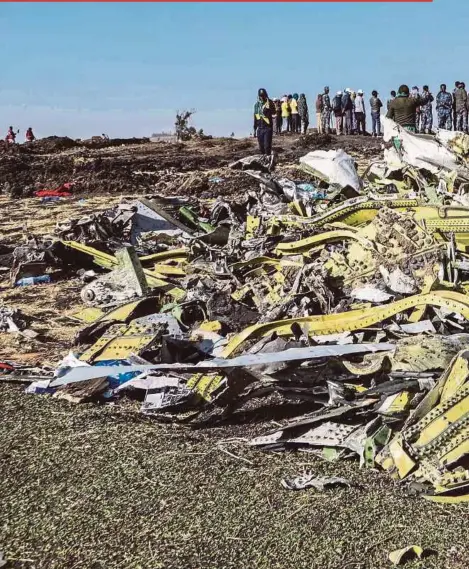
(360, 114)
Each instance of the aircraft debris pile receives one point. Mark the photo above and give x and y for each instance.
(347, 296)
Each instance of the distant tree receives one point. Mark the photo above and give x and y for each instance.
(183, 130)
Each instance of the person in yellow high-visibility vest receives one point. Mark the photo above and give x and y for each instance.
(295, 116)
(286, 113)
(264, 114)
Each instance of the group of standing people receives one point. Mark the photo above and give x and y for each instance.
(349, 112)
(414, 110)
(291, 114)
(411, 109)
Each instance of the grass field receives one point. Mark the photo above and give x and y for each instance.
(102, 487)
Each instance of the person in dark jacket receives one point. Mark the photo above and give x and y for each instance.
(264, 114)
(347, 108)
(375, 106)
(403, 109)
(337, 109)
(393, 96)
(303, 113)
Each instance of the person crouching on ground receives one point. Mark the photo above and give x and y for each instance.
(264, 113)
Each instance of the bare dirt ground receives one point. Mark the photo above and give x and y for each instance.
(93, 486)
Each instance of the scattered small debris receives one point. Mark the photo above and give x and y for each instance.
(401, 556)
(310, 481)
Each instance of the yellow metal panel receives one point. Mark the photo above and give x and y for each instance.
(352, 320)
(405, 464)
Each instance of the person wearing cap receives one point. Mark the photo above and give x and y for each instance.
(295, 117)
(460, 105)
(403, 109)
(337, 109)
(264, 113)
(375, 106)
(444, 108)
(360, 113)
(347, 107)
(286, 113)
(415, 94)
(303, 113)
(326, 111)
(426, 117)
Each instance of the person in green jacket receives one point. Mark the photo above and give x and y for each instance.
(403, 109)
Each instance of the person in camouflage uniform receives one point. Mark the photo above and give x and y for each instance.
(456, 86)
(426, 117)
(460, 106)
(444, 108)
(415, 94)
(326, 111)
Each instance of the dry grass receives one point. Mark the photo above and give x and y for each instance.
(102, 487)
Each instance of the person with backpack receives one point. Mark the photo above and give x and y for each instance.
(337, 110)
(375, 106)
(347, 107)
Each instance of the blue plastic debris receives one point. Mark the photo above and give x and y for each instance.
(28, 281)
(312, 190)
(119, 378)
